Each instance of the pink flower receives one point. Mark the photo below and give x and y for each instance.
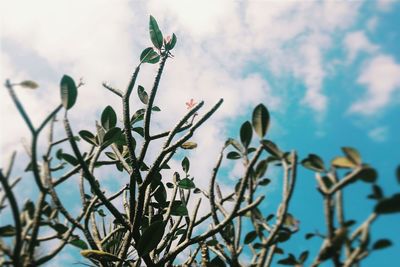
(190, 104)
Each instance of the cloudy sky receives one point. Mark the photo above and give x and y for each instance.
(329, 72)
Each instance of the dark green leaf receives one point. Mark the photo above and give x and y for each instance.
(352, 154)
(376, 192)
(185, 164)
(272, 148)
(235, 144)
(143, 96)
(389, 205)
(309, 235)
(137, 116)
(112, 136)
(101, 213)
(368, 175)
(233, 155)
(261, 168)
(60, 228)
(150, 238)
(382, 243)
(314, 163)
(264, 181)
(155, 108)
(79, 243)
(108, 118)
(216, 262)
(155, 33)
(7, 230)
(29, 207)
(69, 158)
(290, 260)
(139, 130)
(250, 237)
(303, 256)
(179, 209)
(212, 242)
(246, 133)
(170, 44)
(88, 137)
(261, 120)
(149, 56)
(186, 184)
(69, 92)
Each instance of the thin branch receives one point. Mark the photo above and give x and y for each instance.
(15, 212)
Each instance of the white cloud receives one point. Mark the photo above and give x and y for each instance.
(372, 23)
(357, 42)
(385, 5)
(379, 134)
(381, 76)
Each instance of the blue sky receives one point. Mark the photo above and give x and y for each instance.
(329, 73)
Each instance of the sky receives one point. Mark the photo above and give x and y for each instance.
(328, 71)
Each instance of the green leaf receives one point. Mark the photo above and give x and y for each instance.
(381, 243)
(309, 235)
(139, 131)
(69, 92)
(88, 137)
(261, 120)
(178, 209)
(376, 192)
(343, 162)
(143, 96)
(170, 44)
(212, 242)
(189, 145)
(389, 205)
(186, 183)
(155, 33)
(233, 155)
(150, 56)
(314, 163)
(7, 230)
(112, 136)
(29, 207)
(29, 84)
(272, 148)
(368, 175)
(60, 228)
(150, 238)
(137, 116)
(264, 181)
(79, 243)
(101, 213)
(216, 262)
(155, 108)
(108, 118)
(352, 154)
(246, 133)
(250, 237)
(235, 144)
(70, 159)
(303, 256)
(185, 164)
(99, 255)
(290, 260)
(261, 168)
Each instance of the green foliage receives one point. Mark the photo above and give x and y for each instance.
(154, 217)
